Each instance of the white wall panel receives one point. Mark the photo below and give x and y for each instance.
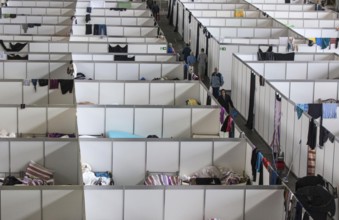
(184, 204)
(194, 156)
(156, 163)
(148, 121)
(177, 123)
(111, 93)
(123, 168)
(224, 204)
(104, 204)
(9, 200)
(143, 204)
(119, 119)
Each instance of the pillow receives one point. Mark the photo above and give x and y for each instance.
(121, 134)
(35, 170)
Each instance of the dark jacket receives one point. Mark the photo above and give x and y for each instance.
(226, 102)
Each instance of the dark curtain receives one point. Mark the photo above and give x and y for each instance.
(250, 118)
(177, 20)
(171, 14)
(169, 9)
(208, 36)
(197, 45)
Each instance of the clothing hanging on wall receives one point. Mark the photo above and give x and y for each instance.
(123, 58)
(88, 18)
(118, 49)
(197, 42)
(118, 9)
(275, 144)
(312, 134)
(88, 29)
(53, 84)
(100, 29)
(43, 82)
(300, 108)
(89, 10)
(329, 110)
(13, 47)
(34, 83)
(66, 85)
(177, 20)
(249, 123)
(16, 57)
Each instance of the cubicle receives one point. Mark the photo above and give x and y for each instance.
(116, 70)
(16, 92)
(61, 155)
(311, 81)
(52, 203)
(145, 120)
(90, 47)
(185, 156)
(159, 92)
(66, 20)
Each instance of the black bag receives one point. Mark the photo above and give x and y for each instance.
(207, 181)
(11, 181)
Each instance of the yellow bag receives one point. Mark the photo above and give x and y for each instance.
(192, 102)
(239, 13)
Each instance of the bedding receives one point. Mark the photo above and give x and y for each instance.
(121, 134)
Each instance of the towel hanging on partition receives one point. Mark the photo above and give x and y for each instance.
(329, 110)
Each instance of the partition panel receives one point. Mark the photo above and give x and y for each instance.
(21, 153)
(177, 123)
(143, 116)
(111, 93)
(120, 119)
(62, 157)
(98, 154)
(317, 71)
(335, 164)
(61, 120)
(297, 143)
(105, 71)
(123, 168)
(304, 148)
(222, 158)
(69, 201)
(224, 204)
(11, 92)
(302, 92)
(205, 121)
(143, 204)
(194, 156)
(184, 204)
(137, 94)
(9, 199)
(185, 91)
(290, 135)
(157, 163)
(162, 94)
(325, 90)
(320, 160)
(91, 121)
(328, 161)
(262, 203)
(104, 204)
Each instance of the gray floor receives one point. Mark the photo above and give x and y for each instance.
(253, 136)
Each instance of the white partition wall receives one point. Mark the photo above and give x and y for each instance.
(115, 156)
(61, 156)
(148, 120)
(139, 93)
(64, 202)
(116, 70)
(296, 90)
(182, 203)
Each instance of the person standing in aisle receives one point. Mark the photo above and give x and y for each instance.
(186, 52)
(191, 59)
(202, 60)
(170, 48)
(217, 81)
(225, 101)
(155, 11)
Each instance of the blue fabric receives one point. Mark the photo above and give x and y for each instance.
(325, 43)
(300, 108)
(329, 110)
(170, 50)
(318, 41)
(259, 161)
(121, 134)
(191, 60)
